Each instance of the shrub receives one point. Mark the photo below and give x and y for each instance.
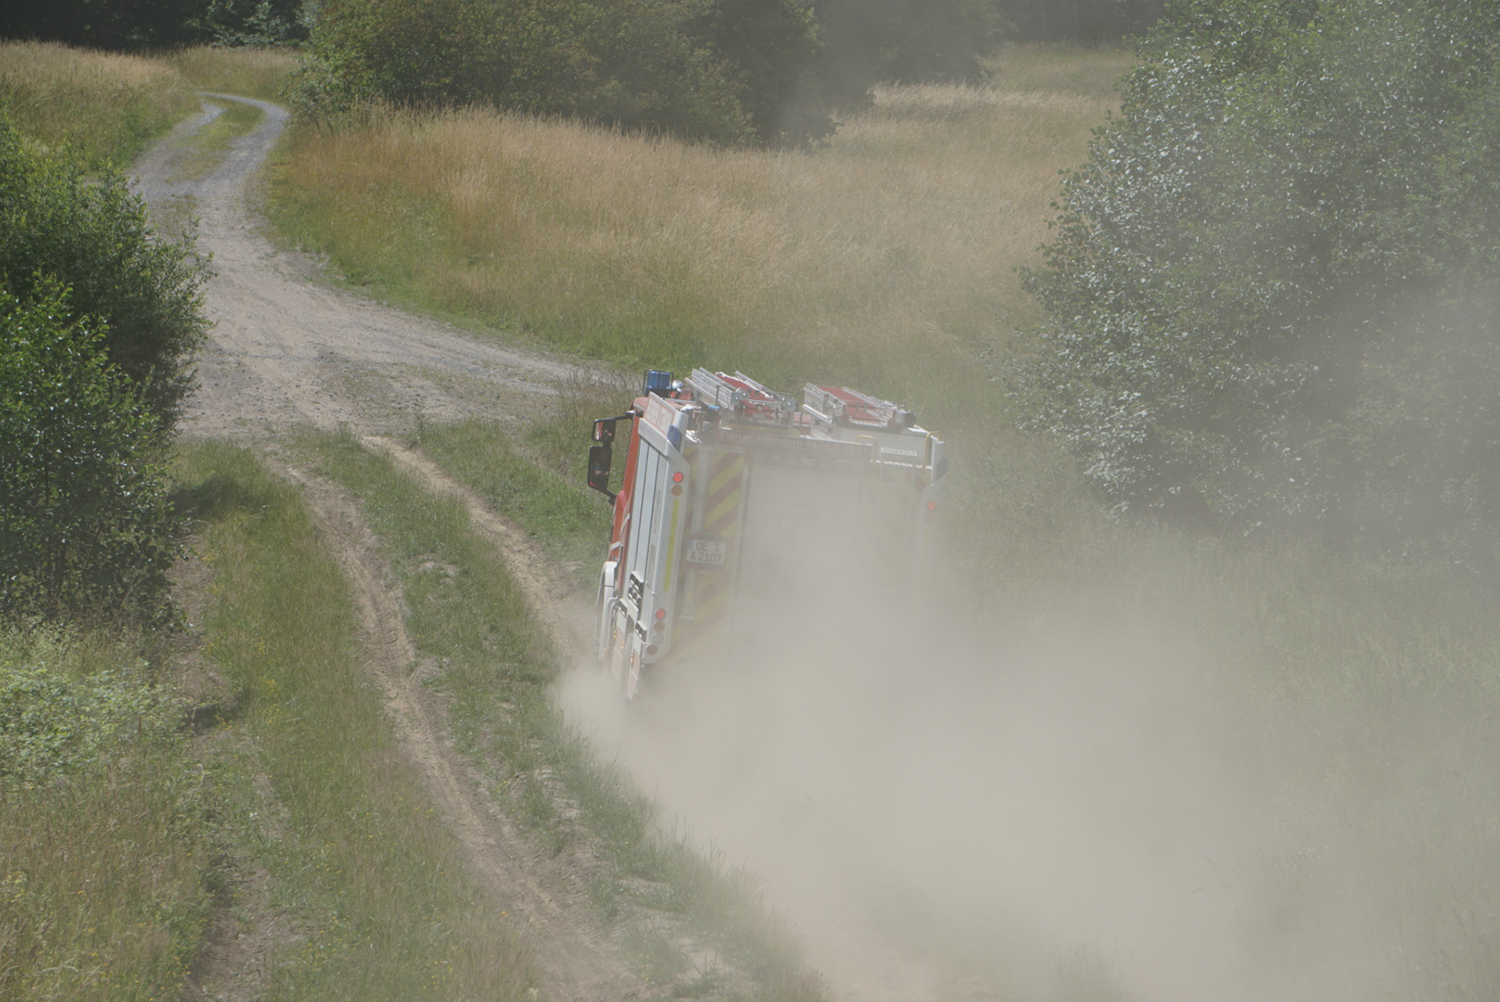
(1272, 295)
(874, 41)
(85, 518)
(720, 71)
(90, 232)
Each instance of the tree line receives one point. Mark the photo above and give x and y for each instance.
(733, 71)
(729, 71)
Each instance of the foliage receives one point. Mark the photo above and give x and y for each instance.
(1088, 21)
(145, 25)
(719, 71)
(106, 843)
(873, 41)
(768, 71)
(91, 233)
(1272, 291)
(54, 723)
(85, 518)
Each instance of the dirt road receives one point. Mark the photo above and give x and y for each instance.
(287, 350)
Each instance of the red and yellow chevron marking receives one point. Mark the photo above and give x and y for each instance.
(712, 588)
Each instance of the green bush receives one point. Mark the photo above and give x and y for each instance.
(90, 232)
(86, 524)
(1273, 295)
(147, 25)
(870, 41)
(719, 71)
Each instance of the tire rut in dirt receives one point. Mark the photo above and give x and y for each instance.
(576, 959)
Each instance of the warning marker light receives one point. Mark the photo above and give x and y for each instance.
(677, 477)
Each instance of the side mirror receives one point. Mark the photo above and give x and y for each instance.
(599, 463)
(604, 430)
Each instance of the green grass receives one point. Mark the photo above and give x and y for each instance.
(571, 522)
(468, 615)
(106, 850)
(309, 779)
(537, 477)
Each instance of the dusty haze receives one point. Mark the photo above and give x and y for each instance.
(1088, 810)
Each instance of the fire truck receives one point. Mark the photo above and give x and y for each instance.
(737, 507)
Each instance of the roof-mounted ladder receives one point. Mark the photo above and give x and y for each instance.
(743, 397)
(841, 405)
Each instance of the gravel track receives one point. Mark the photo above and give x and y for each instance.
(287, 350)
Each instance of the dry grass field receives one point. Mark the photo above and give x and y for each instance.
(886, 257)
(250, 71)
(106, 104)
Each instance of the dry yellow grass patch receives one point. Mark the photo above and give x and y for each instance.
(107, 104)
(888, 255)
(254, 72)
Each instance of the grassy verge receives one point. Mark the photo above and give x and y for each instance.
(468, 615)
(310, 783)
(253, 72)
(537, 477)
(109, 106)
(105, 847)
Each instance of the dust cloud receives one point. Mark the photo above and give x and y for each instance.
(1079, 812)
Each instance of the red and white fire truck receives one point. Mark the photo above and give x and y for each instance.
(734, 499)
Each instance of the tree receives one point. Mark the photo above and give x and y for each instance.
(870, 41)
(1088, 21)
(88, 231)
(86, 522)
(710, 69)
(144, 25)
(1273, 296)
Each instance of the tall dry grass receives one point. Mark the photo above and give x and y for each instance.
(253, 72)
(886, 258)
(108, 105)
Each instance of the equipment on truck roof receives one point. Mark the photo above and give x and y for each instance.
(733, 497)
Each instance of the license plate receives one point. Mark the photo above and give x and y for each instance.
(707, 553)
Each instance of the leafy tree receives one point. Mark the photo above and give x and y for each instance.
(90, 232)
(1086, 21)
(237, 23)
(770, 45)
(721, 70)
(143, 25)
(86, 525)
(870, 41)
(1273, 294)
